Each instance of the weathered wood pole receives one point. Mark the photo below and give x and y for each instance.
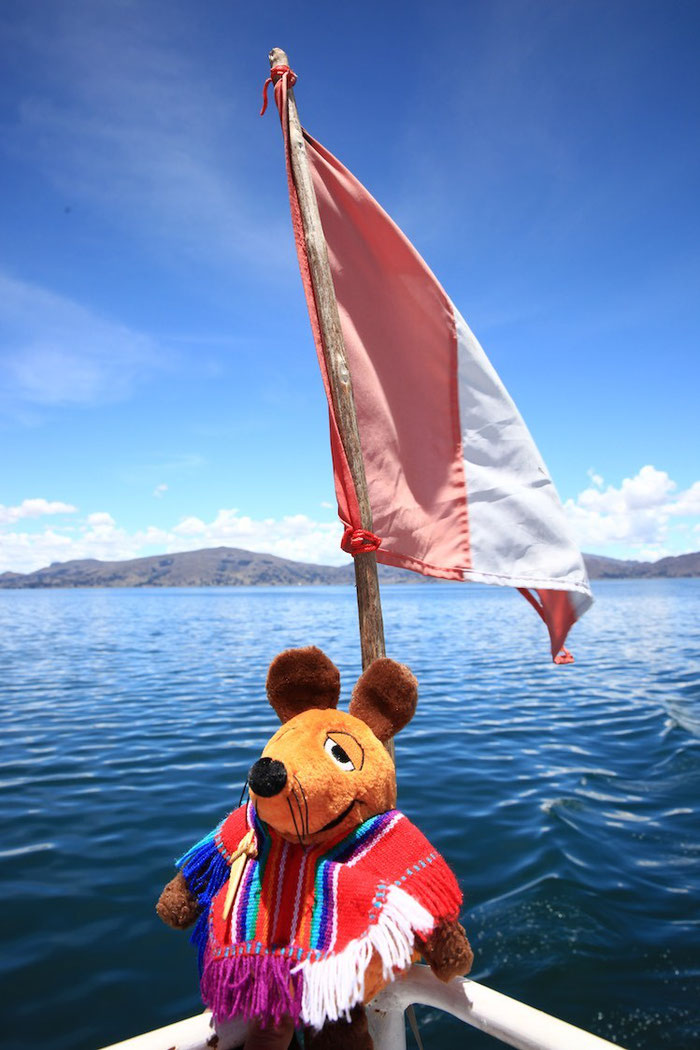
(366, 580)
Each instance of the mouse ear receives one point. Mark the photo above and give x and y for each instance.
(300, 679)
(385, 697)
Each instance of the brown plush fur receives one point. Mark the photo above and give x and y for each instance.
(328, 790)
(272, 1037)
(447, 951)
(318, 790)
(342, 1035)
(176, 905)
(302, 678)
(385, 697)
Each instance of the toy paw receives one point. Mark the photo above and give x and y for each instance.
(177, 907)
(447, 951)
(342, 1035)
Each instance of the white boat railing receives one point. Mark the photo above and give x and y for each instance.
(505, 1019)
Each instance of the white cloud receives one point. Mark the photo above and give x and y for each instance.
(644, 517)
(639, 519)
(190, 527)
(99, 536)
(34, 508)
(100, 520)
(57, 352)
(688, 503)
(25, 551)
(295, 536)
(160, 490)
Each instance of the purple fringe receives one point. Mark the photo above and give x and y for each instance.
(260, 987)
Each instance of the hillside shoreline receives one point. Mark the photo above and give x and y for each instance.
(234, 567)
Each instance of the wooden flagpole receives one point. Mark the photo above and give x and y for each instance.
(366, 580)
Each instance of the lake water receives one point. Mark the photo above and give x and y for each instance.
(566, 799)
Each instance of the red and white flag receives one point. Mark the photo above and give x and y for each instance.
(456, 485)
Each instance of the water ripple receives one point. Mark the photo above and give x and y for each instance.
(565, 798)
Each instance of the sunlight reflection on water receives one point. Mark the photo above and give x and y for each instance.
(565, 798)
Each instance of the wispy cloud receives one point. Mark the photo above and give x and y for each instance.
(125, 117)
(57, 352)
(173, 466)
(646, 516)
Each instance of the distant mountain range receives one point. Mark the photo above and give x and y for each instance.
(231, 567)
(612, 569)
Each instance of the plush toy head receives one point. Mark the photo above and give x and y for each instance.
(326, 771)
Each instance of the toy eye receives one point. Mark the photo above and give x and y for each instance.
(339, 755)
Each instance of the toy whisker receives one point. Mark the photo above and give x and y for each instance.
(306, 803)
(296, 829)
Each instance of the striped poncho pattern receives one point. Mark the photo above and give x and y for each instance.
(306, 921)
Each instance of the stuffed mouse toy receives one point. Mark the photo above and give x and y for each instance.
(313, 896)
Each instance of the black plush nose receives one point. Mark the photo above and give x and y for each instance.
(267, 777)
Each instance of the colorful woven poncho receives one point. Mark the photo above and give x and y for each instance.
(305, 922)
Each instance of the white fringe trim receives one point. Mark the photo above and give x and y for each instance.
(334, 985)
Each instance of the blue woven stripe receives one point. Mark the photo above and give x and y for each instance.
(343, 851)
(205, 870)
(358, 838)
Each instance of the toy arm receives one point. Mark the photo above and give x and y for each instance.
(176, 906)
(447, 950)
(203, 871)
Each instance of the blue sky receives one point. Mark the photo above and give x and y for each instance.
(159, 389)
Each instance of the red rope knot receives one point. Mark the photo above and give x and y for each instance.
(359, 541)
(275, 73)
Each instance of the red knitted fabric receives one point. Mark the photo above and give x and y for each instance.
(305, 921)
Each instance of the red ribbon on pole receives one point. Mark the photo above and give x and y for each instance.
(359, 541)
(275, 73)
